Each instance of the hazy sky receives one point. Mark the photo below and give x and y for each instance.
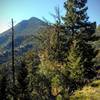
(24, 9)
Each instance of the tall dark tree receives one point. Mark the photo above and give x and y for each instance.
(22, 83)
(13, 62)
(77, 25)
(3, 87)
(13, 68)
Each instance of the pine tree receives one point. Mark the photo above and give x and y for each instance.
(77, 25)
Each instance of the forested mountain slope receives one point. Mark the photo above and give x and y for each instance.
(24, 38)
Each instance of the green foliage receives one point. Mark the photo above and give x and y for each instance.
(77, 24)
(65, 58)
(72, 56)
(74, 62)
(41, 88)
(59, 97)
(88, 55)
(22, 83)
(88, 92)
(56, 87)
(3, 88)
(47, 67)
(95, 83)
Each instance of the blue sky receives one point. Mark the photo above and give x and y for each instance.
(24, 9)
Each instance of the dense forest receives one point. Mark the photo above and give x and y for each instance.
(65, 64)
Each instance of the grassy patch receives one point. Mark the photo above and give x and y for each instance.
(90, 92)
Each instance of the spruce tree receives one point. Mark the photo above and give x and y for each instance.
(77, 25)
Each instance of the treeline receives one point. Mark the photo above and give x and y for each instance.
(65, 61)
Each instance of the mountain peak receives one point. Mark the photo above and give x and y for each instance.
(34, 18)
(23, 36)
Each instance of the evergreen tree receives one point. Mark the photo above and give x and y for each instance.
(41, 88)
(23, 82)
(3, 87)
(77, 25)
(52, 58)
(74, 64)
(38, 84)
(32, 62)
(53, 39)
(73, 68)
(59, 38)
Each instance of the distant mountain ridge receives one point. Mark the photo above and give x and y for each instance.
(23, 31)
